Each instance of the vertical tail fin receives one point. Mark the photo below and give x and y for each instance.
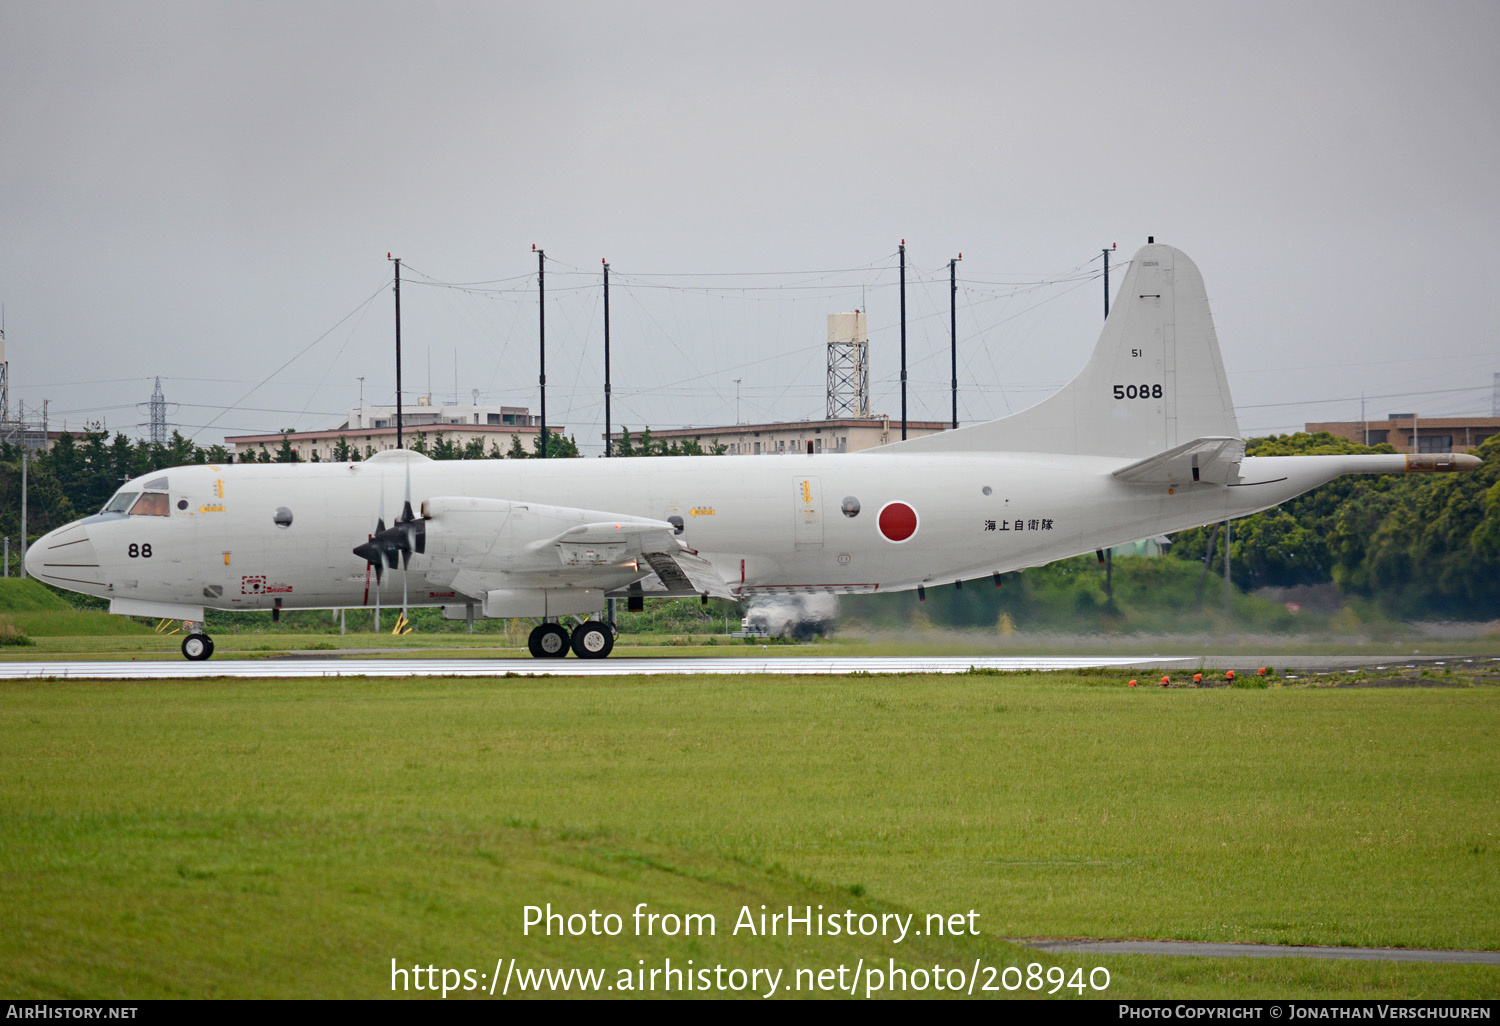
(1155, 380)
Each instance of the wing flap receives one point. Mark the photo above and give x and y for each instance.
(685, 573)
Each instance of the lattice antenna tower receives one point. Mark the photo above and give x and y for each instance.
(5, 377)
(848, 366)
(1494, 396)
(158, 408)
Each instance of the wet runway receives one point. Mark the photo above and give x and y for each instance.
(171, 669)
(379, 665)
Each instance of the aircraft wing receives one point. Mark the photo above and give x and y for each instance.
(1214, 460)
(476, 545)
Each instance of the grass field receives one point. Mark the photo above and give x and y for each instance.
(289, 838)
(39, 611)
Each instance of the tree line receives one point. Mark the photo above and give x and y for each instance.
(1421, 544)
(445, 448)
(79, 473)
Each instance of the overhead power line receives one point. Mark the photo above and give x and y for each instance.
(296, 356)
(1356, 398)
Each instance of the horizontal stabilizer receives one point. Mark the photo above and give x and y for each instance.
(1208, 460)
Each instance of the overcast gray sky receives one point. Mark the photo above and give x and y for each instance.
(201, 190)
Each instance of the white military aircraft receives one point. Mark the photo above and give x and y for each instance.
(1143, 442)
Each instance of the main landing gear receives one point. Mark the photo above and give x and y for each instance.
(589, 640)
(593, 640)
(196, 646)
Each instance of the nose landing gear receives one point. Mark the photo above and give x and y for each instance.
(197, 646)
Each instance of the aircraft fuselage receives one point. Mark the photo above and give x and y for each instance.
(246, 536)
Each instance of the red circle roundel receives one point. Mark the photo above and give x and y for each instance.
(897, 521)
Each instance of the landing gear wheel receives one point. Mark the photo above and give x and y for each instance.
(593, 640)
(197, 647)
(548, 641)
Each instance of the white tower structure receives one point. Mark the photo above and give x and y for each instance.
(848, 366)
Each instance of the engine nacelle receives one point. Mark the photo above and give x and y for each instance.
(529, 602)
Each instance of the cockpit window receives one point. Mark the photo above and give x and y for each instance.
(120, 503)
(157, 484)
(151, 504)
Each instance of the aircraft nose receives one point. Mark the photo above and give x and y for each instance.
(65, 557)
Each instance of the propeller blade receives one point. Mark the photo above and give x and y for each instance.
(370, 552)
(371, 555)
(392, 547)
(408, 536)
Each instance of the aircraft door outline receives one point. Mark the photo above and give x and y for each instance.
(808, 507)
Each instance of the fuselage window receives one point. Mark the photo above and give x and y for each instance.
(120, 503)
(151, 504)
